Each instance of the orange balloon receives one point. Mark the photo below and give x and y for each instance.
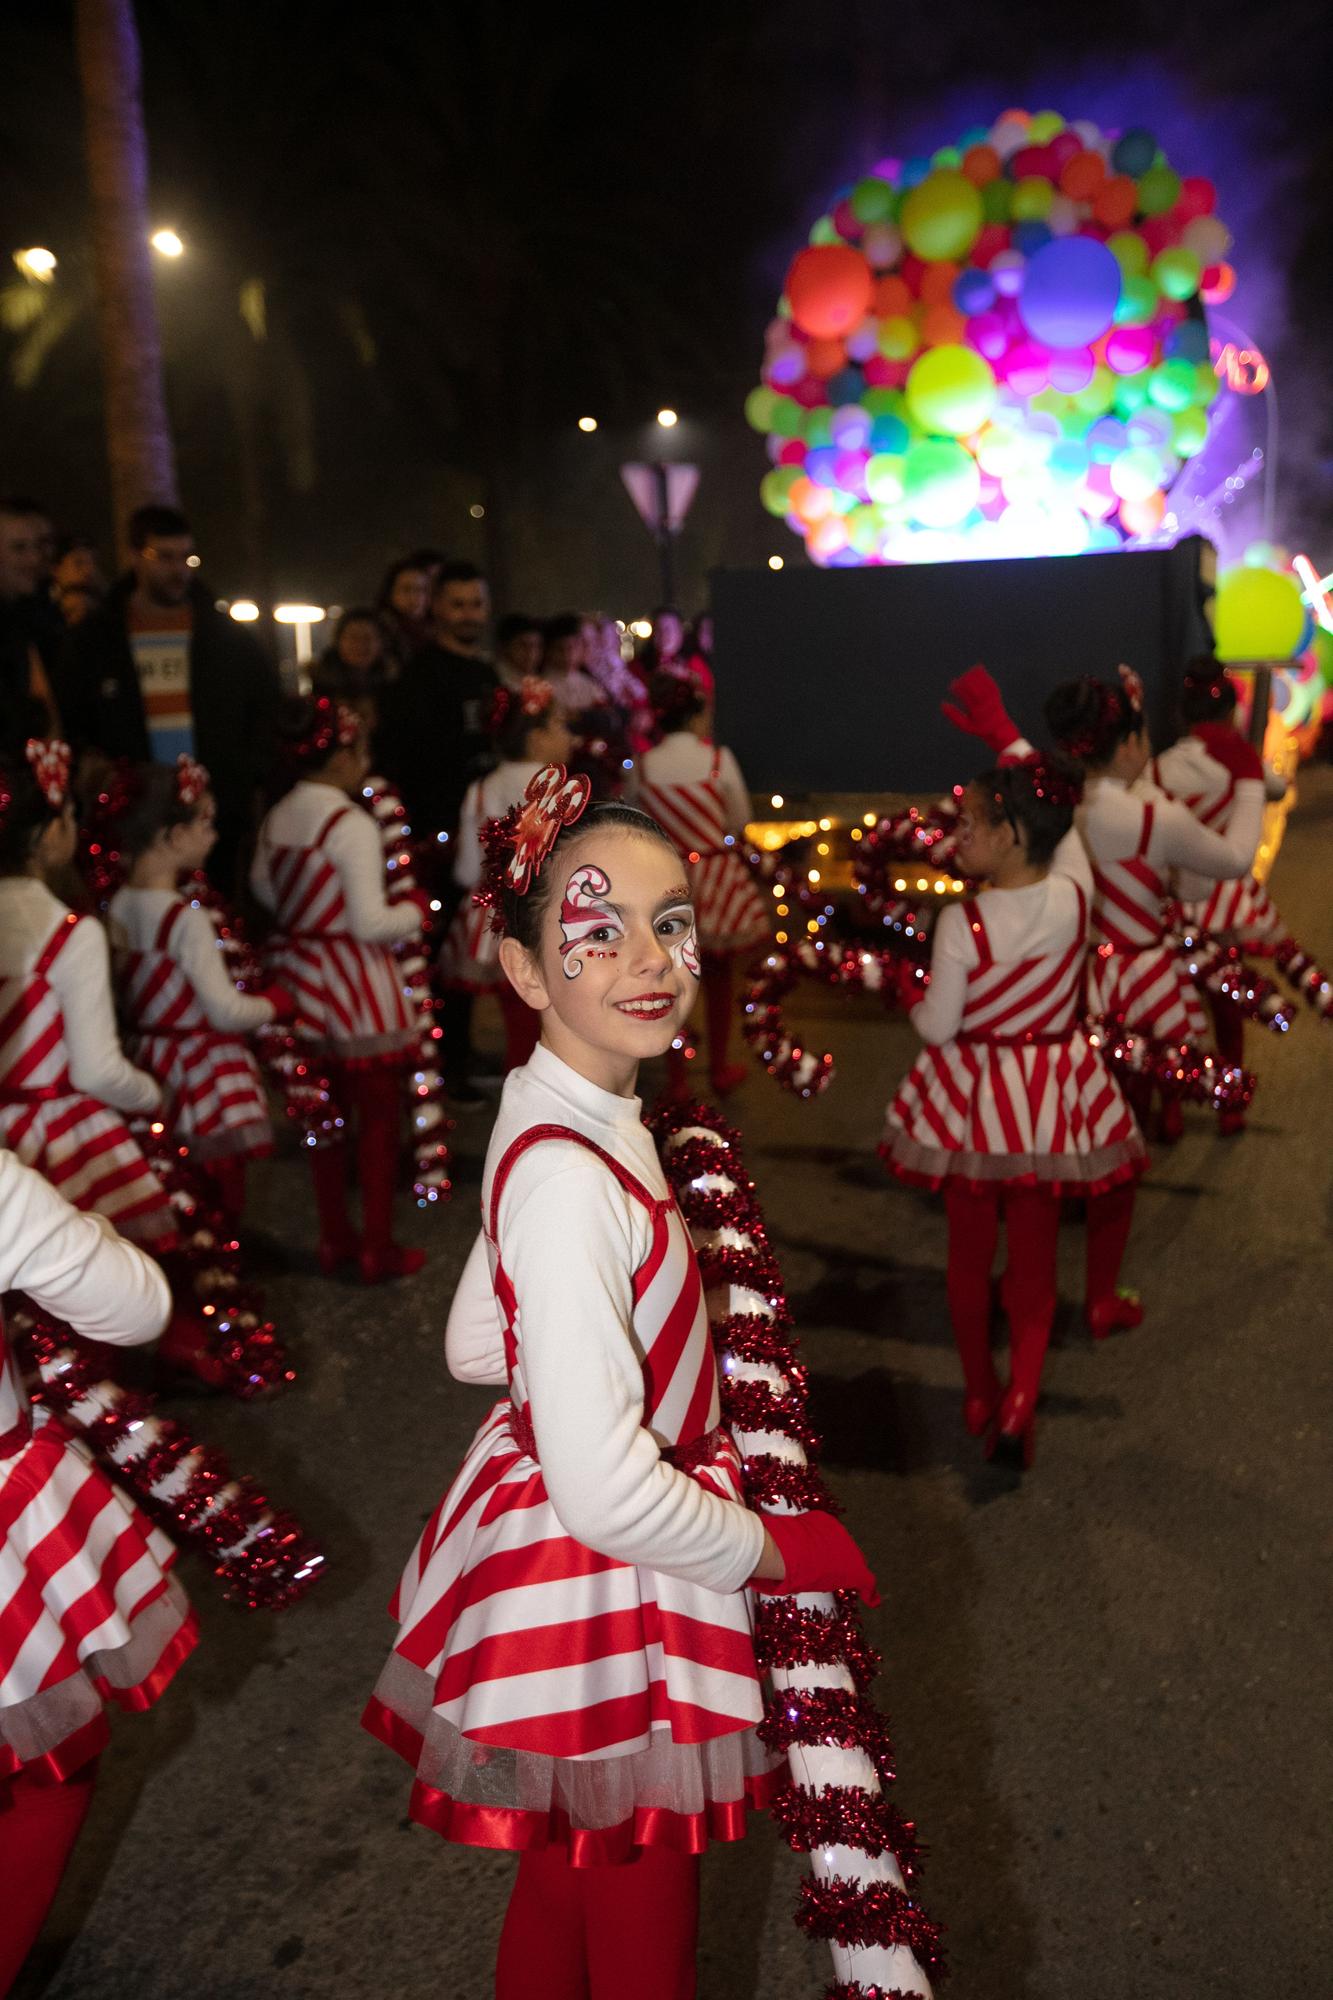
(981, 164)
(1116, 201)
(937, 283)
(893, 299)
(1081, 177)
(1140, 517)
(830, 287)
(825, 357)
(810, 503)
(943, 326)
(1014, 117)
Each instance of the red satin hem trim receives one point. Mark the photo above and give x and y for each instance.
(67, 1758)
(513, 1829)
(1059, 1190)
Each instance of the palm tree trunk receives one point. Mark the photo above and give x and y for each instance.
(139, 447)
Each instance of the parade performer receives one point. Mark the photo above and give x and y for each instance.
(91, 1615)
(1009, 1107)
(529, 730)
(694, 788)
(574, 1675)
(185, 1018)
(1206, 770)
(319, 868)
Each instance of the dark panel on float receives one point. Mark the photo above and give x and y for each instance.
(830, 680)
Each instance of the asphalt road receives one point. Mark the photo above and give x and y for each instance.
(1108, 1682)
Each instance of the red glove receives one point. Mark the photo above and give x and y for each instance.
(978, 709)
(280, 1000)
(1230, 749)
(912, 983)
(817, 1554)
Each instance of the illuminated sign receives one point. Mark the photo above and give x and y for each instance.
(1241, 368)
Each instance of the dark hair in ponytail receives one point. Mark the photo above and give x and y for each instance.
(1089, 719)
(1037, 796)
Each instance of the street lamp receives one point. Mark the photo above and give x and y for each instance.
(301, 617)
(775, 562)
(244, 610)
(167, 243)
(587, 424)
(36, 263)
(667, 419)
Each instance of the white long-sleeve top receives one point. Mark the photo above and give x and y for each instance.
(682, 758)
(136, 917)
(571, 1239)
(80, 978)
(74, 1264)
(1188, 772)
(355, 849)
(487, 798)
(1041, 920)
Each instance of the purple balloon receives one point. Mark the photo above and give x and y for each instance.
(1070, 291)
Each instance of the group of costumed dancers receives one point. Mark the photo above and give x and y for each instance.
(634, 1541)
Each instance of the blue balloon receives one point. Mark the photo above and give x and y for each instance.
(914, 171)
(1029, 237)
(847, 386)
(821, 464)
(1134, 152)
(1189, 340)
(973, 291)
(1070, 291)
(889, 433)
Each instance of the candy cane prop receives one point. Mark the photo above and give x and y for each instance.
(864, 1854)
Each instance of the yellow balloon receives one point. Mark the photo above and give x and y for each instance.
(1258, 616)
(942, 216)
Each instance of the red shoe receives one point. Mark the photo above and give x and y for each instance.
(334, 1254)
(185, 1348)
(1013, 1442)
(979, 1412)
(1230, 1124)
(1117, 1314)
(394, 1261)
(724, 1081)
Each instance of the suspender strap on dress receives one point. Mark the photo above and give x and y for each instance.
(55, 944)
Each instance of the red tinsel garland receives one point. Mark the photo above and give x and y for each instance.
(1221, 969)
(852, 967)
(702, 1159)
(261, 1554)
(1312, 983)
(851, 1989)
(1176, 1069)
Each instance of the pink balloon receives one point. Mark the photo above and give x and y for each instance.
(845, 221)
(1072, 369)
(793, 451)
(809, 392)
(1129, 348)
(1026, 368)
(988, 334)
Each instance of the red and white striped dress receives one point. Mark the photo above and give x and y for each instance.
(1238, 912)
(1009, 1091)
(215, 1096)
(88, 1611)
(695, 791)
(76, 1141)
(1136, 979)
(549, 1681)
(470, 954)
(348, 986)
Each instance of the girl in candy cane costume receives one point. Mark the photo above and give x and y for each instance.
(319, 868)
(574, 1674)
(694, 788)
(186, 1021)
(89, 1614)
(528, 729)
(1009, 1106)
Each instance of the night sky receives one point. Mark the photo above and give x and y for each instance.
(458, 230)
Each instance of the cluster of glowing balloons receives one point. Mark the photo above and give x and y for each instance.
(1001, 350)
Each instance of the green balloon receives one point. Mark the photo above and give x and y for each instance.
(1159, 191)
(759, 406)
(947, 156)
(1177, 272)
(1189, 432)
(1323, 652)
(951, 390)
(941, 483)
(1131, 393)
(786, 417)
(865, 530)
(1258, 615)
(1130, 252)
(941, 216)
(1138, 301)
(884, 477)
(883, 402)
(775, 488)
(1171, 385)
(1207, 388)
(825, 231)
(817, 425)
(997, 200)
(874, 200)
(1099, 395)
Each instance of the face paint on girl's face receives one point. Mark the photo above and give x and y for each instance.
(686, 952)
(590, 927)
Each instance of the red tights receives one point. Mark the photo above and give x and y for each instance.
(1031, 1221)
(522, 1027)
(374, 1098)
(1228, 1030)
(39, 1824)
(601, 1933)
(228, 1177)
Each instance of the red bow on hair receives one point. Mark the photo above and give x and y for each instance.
(533, 695)
(1056, 787)
(1133, 686)
(553, 800)
(192, 780)
(331, 723)
(50, 767)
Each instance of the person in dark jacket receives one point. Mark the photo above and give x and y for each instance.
(158, 671)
